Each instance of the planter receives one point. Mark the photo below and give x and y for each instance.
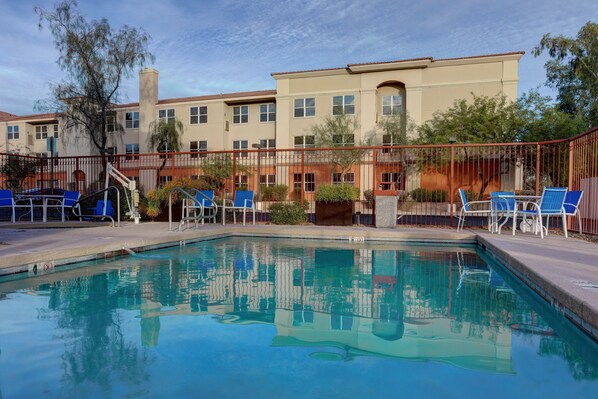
(177, 213)
(334, 213)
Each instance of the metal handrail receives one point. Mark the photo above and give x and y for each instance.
(183, 218)
(215, 206)
(99, 216)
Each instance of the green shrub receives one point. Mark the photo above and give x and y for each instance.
(424, 195)
(369, 197)
(337, 193)
(471, 196)
(284, 213)
(278, 192)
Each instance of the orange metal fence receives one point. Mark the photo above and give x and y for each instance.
(427, 177)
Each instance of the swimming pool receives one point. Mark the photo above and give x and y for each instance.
(263, 318)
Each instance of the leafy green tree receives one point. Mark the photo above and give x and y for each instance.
(165, 136)
(338, 132)
(483, 120)
(573, 71)
(395, 128)
(218, 168)
(96, 59)
(16, 169)
(544, 121)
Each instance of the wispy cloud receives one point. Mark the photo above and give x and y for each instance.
(205, 47)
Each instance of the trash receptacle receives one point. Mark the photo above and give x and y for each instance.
(386, 207)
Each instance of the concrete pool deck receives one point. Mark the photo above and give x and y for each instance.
(563, 271)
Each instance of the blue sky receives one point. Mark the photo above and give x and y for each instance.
(207, 47)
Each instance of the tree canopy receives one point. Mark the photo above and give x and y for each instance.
(573, 71)
(96, 59)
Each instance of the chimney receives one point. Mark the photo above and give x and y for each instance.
(148, 99)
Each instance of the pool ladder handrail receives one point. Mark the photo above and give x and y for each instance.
(203, 216)
(185, 215)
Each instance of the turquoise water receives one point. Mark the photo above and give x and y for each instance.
(256, 318)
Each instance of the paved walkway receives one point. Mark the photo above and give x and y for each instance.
(564, 271)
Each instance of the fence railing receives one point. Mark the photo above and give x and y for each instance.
(427, 177)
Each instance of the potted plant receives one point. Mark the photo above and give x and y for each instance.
(335, 204)
(155, 204)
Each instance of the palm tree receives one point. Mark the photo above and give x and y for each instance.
(165, 136)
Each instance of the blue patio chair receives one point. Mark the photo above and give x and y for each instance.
(103, 209)
(502, 205)
(550, 204)
(243, 202)
(64, 204)
(8, 201)
(207, 205)
(467, 209)
(571, 205)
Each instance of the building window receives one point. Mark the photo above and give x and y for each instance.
(13, 132)
(391, 181)
(41, 132)
(198, 115)
(166, 115)
(305, 141)
(200, 147)
(267, 112)
(392, 105)
(240, 145)
(241, 114)
(131, 149)
(268, 144)
(132, 120)
(343, 140)
(310, 182)
(111, 123)
(302, 314)
(343, 105)
(164, 179)
(241, 182)
(348, 178)
(55, 131)
(267, 180)
(305, 107)
(341, 316)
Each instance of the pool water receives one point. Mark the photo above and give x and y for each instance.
(258, 318)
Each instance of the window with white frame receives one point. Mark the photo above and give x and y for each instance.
(304, 141)
(343, 140)
(348, 178)
(240, 145)
(268, 113)
(392, 105)
(341, 316)
(391, 181)
(389, 140)
(132, 120)
(132, 149)
(41, 132)
(164, 179)
(198, 115)
(111, 123)
(241, 114)
(55, 130)
(302, 314)
(166, 115)
(305, 107)
(12, 132)
(200, 146)
(267, 180)
(241, 181)
(309, 182)
(343, 105)
(267, 144)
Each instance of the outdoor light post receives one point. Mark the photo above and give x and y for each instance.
(258, 147)
(452, 139)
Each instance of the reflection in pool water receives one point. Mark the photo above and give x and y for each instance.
(270, 318)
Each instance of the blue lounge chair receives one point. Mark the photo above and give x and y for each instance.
(502, 205)
(467, 209)
(64, 204)
(8, 201)
(207, 205)
(571, 205)
(243, 202)
(103, 209)
(550, 204)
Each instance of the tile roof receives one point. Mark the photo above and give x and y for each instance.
(5, 116)
(35, 117)
(222, 96)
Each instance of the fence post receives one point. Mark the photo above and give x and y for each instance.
(452, 184)
(77, 174)
(537, 168)
(302, 177)
(41, 168)
(234, 185)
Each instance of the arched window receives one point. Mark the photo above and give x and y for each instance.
(391, 99)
